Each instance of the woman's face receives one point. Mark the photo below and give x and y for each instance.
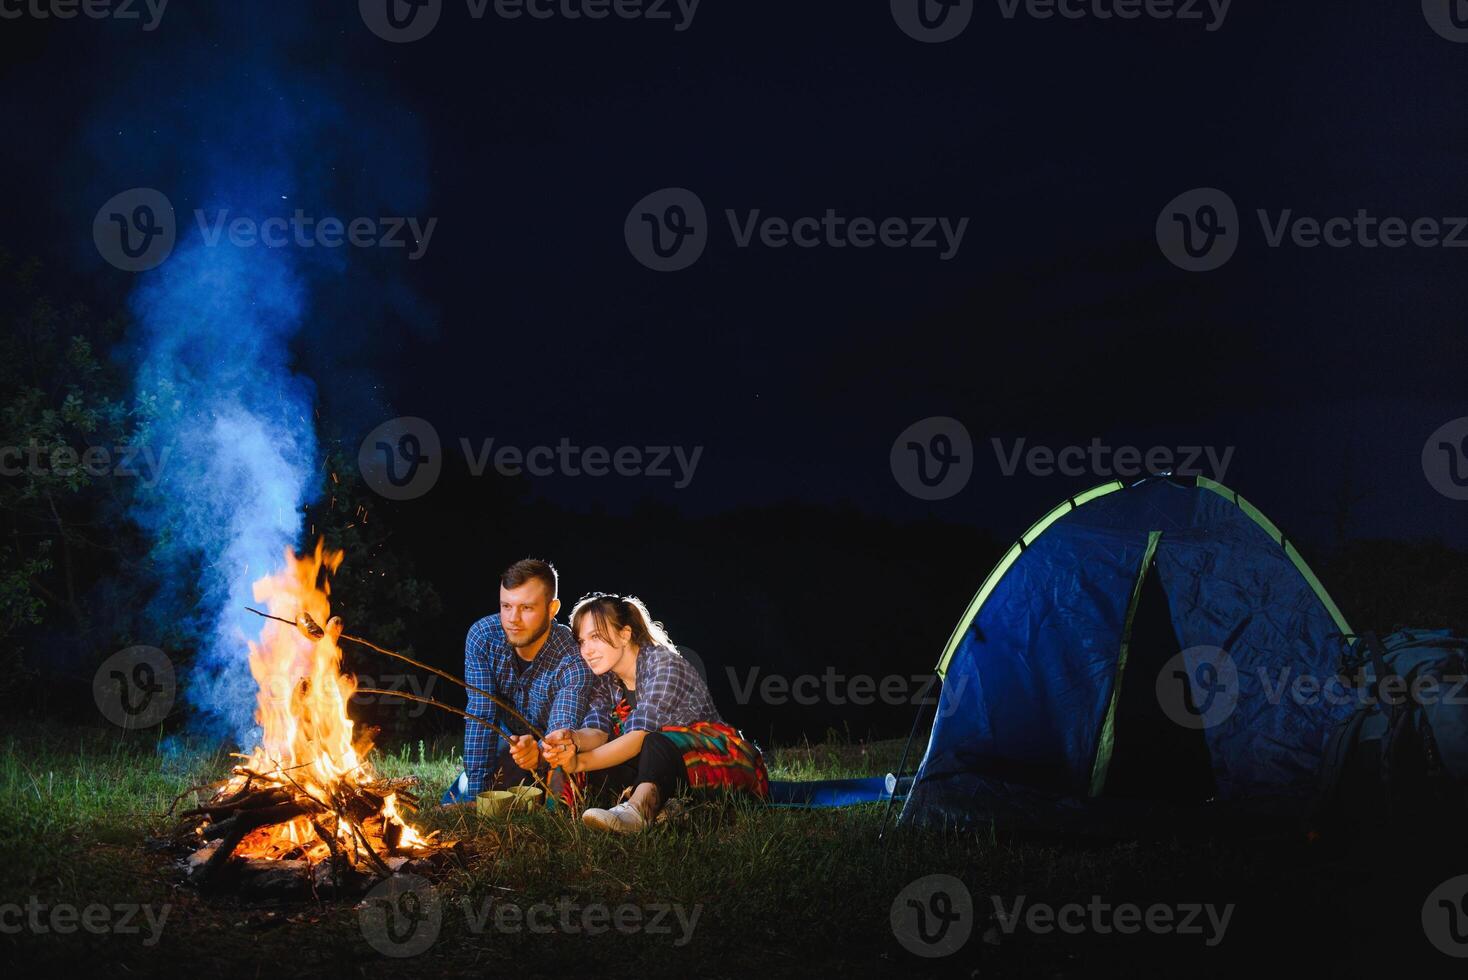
(601, 652)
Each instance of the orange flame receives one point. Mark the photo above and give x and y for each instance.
(307, 744)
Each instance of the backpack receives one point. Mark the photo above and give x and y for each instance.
(1402, 755)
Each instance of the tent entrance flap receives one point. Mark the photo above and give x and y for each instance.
(1107, 740)
(1153, 756)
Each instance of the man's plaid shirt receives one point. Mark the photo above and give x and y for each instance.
(669, 692)
(551, 692)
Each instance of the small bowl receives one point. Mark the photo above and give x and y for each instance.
(527, 797)
(493, 802)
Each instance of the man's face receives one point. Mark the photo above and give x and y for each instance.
(526, 612)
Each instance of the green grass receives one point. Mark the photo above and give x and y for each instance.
(777, 891)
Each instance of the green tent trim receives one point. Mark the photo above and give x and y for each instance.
(1080, 500)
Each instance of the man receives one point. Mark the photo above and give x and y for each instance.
(523, 656)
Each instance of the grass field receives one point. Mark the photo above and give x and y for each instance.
(731, 890)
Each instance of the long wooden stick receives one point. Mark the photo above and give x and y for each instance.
(544, 783)
(494, 699)
(437, 704)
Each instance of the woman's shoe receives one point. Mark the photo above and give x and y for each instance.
(624, 818)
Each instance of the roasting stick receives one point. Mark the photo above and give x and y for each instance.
(437, 704)
(315, 632)
(544, 784)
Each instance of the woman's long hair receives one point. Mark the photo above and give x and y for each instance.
(611, 612)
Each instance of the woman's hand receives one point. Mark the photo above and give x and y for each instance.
(524, 752)
(559, 749)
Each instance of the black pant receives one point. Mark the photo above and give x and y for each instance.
(507, 774)
(660, 762)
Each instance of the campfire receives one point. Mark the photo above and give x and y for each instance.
(304, 807)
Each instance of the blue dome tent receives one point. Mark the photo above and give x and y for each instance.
(1050, 680)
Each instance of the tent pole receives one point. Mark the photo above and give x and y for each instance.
(901, 765)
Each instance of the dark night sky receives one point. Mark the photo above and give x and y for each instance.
(1058, 321)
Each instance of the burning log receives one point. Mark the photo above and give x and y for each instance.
(305, 805)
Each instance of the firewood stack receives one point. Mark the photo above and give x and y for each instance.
(266, 832)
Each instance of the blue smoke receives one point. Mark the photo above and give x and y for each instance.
(219, 342)
(214, 326)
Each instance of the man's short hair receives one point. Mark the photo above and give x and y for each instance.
(530, 568)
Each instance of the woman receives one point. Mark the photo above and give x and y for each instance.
(650, 726)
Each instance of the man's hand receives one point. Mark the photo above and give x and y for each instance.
(524, 752)
(560, 749)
